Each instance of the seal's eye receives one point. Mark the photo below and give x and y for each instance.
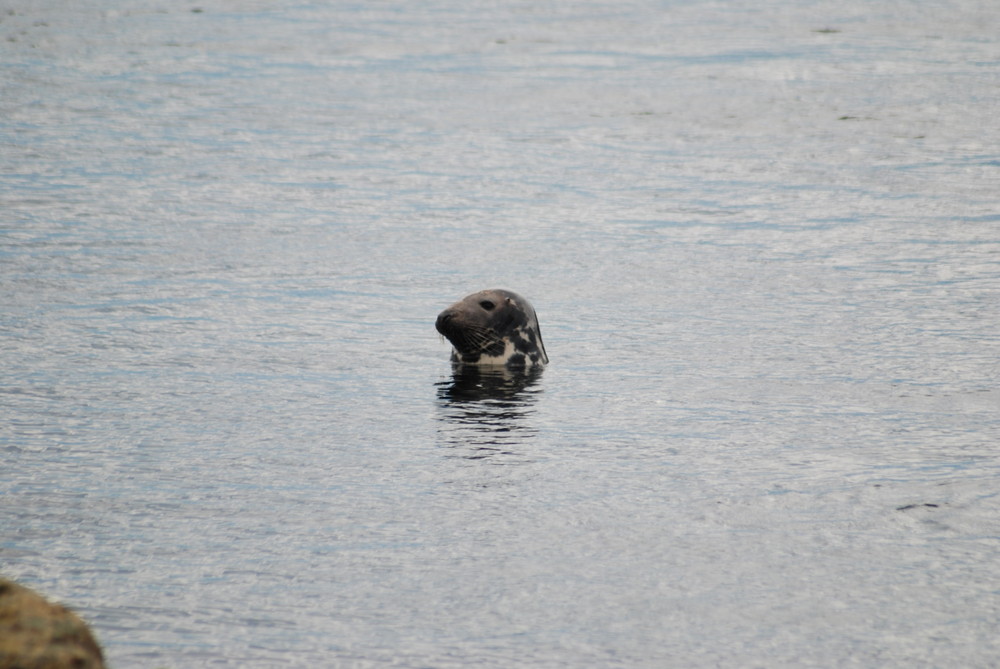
(487, 305)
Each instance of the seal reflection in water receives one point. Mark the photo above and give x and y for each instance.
(493, 328)
(486, 412)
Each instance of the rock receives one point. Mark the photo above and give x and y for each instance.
(36, 634)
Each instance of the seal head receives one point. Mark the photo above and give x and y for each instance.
(493, 327)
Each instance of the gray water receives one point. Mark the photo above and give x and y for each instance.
(763, 241)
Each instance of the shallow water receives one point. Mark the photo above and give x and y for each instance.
(763, 241)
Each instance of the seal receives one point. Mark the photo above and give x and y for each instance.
(493, 327)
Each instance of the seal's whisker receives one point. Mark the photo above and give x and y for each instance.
(477, 340)
(482, 337)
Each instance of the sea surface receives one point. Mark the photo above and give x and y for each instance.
(763, 241)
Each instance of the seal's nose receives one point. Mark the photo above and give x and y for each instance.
(442, 320)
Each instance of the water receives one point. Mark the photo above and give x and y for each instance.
(763, 240)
